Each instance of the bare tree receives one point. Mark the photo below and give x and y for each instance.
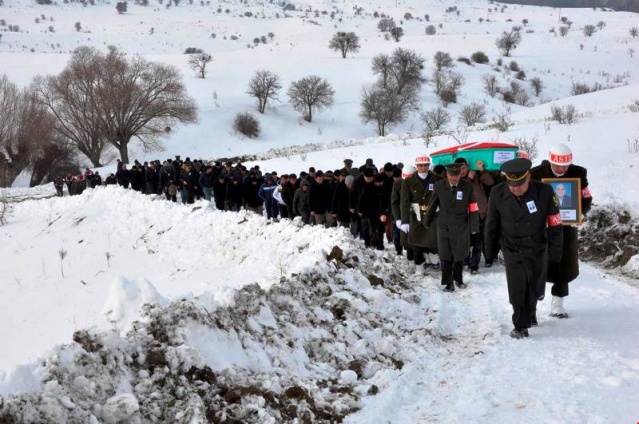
(455, 82)
(438, 80)
(381, 66)
(56, 157)
(310, 93)
(634, 32)
(563, 30)
(537, 85)
(397, 33)
(472, 114)
(199, 61)
(490, 84)
(385, 24)
(345, 42)
(25, 126)
(73, 98)
(442, 60)
(508, 42)
(435, 119)
(601, 25)
(405, 71)
(589, 30)
(386, 107)
(141, 100)
(263, 86)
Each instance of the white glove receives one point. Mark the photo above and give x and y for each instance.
(398, 223)
(404, 228)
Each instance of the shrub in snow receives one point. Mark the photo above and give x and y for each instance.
(431, 30)
(508, 42)
(442, 60)
(247, 124)
(479, 57)
(634, 106)
(385, 24)
(537, 85)
(435, 119)
(447, 96)
(589, 30)
(528, 146)
(579, 88)
(472, 114)
(193, 50)
(121, 7)
(464, 59)
(397, 33)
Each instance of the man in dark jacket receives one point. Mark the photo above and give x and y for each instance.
(458, 219)
(207, 180)
(560, 274)
(372, 210)
(320, 197)
(524, 221)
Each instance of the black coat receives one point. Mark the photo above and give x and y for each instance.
(568, 269)
(370, 202)
(340, 205)
(529, 233)
(320, 197)
(414, 190)
(458, 217)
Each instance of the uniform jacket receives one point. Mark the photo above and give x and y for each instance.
(568, 269)
(528, 231)
(414, 190)
(458, 217)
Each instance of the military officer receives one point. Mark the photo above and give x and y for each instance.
(524, 221)
(458, 218)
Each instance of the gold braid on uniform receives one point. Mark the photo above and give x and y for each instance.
(513, 177)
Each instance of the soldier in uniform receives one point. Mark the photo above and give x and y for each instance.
(560, 274)
(458, 219)
(416, 191)
(523, 220)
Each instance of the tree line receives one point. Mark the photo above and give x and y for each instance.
(620, 5)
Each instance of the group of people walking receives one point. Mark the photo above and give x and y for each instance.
(442, 218)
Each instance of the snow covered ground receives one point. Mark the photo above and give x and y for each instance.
(429, 357)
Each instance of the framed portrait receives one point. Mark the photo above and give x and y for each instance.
(568, 192)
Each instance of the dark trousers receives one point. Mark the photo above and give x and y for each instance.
(396, 239)
(522, 314)
(559, 289)
(477, 246)
(283, 210)
(451, 271)
(373, 233)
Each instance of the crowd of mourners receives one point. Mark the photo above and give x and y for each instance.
(442, 218)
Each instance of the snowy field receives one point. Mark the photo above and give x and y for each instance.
(431, 357)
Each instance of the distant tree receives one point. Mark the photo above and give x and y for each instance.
(386, 107)
(435, 119)
(408, 16)
(601, 25)
(397, 33)
(431, 30)
(247, 124)
(563, 30)
(438, 80)
(263, 39)
(508, 42)
(405, 71)
(524, 21)
(442, 60)
(473, 114)
(427, 17)
(309, 94)
(198, 62)
(263, 86)
(78, 26)
(271, 35)
(381, 66)
(447, 97)
(490, 84)
(386, 24)
(589, 30)
(634, 32)
(455, 82)
(537, 85)
(345, 42)
(121, 7)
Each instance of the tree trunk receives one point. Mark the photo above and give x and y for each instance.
(123, 148)
(309, 116)
(8, 171)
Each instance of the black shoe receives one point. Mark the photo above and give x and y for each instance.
(533, 321)
(488, 264)
(562, 315)
(525, 331)
(461, 285)
(474, 271)
(449, 288)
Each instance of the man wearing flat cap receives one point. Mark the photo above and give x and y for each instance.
(523, 221)
(458, 219)
(348, 167)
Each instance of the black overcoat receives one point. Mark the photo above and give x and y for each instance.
(568, 268)
(458, 217)
(529, 233)
(415, 191)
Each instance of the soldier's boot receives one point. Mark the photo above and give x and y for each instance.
(557, 308)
